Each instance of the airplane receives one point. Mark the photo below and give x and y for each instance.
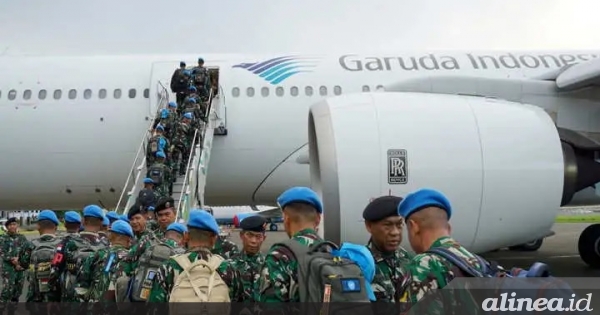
(509, 137)
(235, 215)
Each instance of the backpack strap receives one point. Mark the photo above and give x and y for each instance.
(460, 262)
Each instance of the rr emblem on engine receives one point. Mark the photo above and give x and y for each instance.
(397, 167)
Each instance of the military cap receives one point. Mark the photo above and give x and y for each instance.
(300, 195)
(164, 203)
(421, 199)
(123, 217)
(188, 116)
(160, 154)
(9, 221)
(48, 215)
(112, 216)
(182, 63)
(106, 221)
(200, 60)
(177, 227)
(150, 208)
(121, 227)
(254, 223)
(72, 217)
(148, 181)
(160, 127)
(202, 220)
(134, 210)
(381, 208)
(93, 211)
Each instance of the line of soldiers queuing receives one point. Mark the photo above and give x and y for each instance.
(169, 148)
(400, 277)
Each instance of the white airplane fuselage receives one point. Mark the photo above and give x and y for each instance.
(77, 148)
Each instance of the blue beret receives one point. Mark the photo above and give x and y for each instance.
(150, 208)
(423, 198)
(201, 219)
(148, 181)
(188, 116)
(300, 195)
(121, 227)
(160, 127)
(123, 217)
(72, 217)
(48, 215)
(172, 104)
(177, 227)
(93, 211)
(160, 154)
(112, 216)
(106, 221)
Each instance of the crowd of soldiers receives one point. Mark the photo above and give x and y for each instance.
(169, 148)
(148, 257)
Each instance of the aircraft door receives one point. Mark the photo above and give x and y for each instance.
(160, 82)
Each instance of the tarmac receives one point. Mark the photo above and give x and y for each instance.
(558, 251)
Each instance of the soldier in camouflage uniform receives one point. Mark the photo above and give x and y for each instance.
(151, 223)
(203, 232)
(427, 213)
(225, 248)
(166, 214)
(97, 279)
(182, 144)
(72, 222)
(385, 226)
(13, 246)
(250, 260)
(167, 118)
(66, 269)
(38, 276)
(302, 209)
(143, 239)
(164, 181)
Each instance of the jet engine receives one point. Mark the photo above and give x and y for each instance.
(237, 219)
(501, 164)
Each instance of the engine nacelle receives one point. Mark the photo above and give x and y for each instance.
(500, 163)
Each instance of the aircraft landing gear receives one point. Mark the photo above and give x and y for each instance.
(589, 246)
(528, 247)
(273, 227)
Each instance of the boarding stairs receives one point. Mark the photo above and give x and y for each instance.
(188, 189)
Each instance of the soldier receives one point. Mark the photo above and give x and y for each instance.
(427, 213)
(103, 233)
(160, 174)
(143, 239)
(97, 279)
(151, 223)
(302, 209)
(385, 226)
(72, 222)
(147, 196)
(73, 251)
(203, 232)
(250, 260)
(179, 81)
(13, 246)
(39, 255)
(182, 144)
(201, 79)
(157, 143)
(166, 213)
(112, 216)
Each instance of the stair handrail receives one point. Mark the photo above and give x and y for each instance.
(162, 102)
(196, 153)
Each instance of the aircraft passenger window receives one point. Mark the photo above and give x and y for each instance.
(72, 94)
(87, 94)
(250, 92)
(323, 90)
(366, 88)
(379, 87)
(117, 94)
(12, 94)
(147, 93)
(337, 90)
(308, 91)
(57, 94)
(279, 91)
(132, 93)
(294, 91)
(0, 94)
(264, 91)
(26, 94)
(42, 94)
(102, 93)
(235, 92)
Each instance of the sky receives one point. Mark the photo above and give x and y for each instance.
(316, 26)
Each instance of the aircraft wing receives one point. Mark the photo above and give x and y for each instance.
(581, 75)
(269, 213)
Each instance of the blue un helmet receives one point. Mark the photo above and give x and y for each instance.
(172, 104)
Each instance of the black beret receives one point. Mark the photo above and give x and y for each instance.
(9, 221)
(381, 208)
(254, 223)
(164, 203)
(135, 209)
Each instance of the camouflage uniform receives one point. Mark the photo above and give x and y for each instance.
(278, 280)
(389, 270)
(182, 146)
(13, 245)
(152, 225)
(163, 189)
(165, 278)
(144, 241)
(249, 268)
(104, 238)
(32, 295)
(428, 272)
(225, 248)
(94, 279)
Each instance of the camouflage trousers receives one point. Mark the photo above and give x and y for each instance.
(163, 190)
(12, 285)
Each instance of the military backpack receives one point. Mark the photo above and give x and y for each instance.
(153, 145)
(40, 265)
(156, 173)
